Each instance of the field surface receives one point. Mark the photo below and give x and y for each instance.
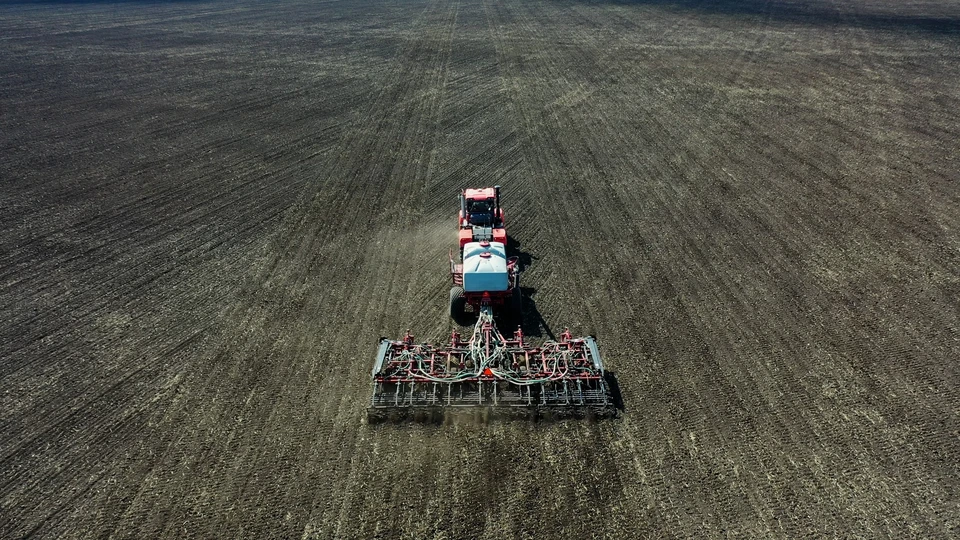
(212, 210)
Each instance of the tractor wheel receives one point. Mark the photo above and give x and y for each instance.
(457, 305)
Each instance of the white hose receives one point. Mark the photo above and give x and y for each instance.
(477, 349)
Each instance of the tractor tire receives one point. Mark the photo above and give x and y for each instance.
(458, 305)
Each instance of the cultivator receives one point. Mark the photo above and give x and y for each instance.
(490, 371)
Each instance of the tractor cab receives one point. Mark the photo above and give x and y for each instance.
(480, 211)
(481, 217)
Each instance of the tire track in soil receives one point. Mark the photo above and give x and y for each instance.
(73, 317)
(457, 147)
(95, 428)
(70, 394)
(487, 488)
(702, 223)
(581, 205)
(822, 293)
(286, 274)
(96, 309)
(715, 275)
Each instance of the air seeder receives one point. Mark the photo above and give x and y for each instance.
(488, 370)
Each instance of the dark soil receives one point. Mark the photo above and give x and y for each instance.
(211, 211)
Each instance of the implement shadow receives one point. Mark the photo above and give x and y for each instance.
(533, 324)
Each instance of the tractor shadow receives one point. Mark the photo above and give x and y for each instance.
(531, 321)
(514, 250)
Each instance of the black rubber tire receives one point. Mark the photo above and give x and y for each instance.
(458, 305)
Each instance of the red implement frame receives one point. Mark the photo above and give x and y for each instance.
(489, 370)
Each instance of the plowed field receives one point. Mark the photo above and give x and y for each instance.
(212, 210)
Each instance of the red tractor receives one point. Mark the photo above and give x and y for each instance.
(484, 278)
(481, 217)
